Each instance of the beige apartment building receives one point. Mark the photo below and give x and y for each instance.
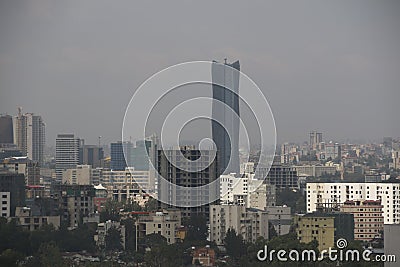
(368, 218)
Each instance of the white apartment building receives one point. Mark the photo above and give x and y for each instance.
(233, 189)
(246, 191)
(250, 223)
(338, 193)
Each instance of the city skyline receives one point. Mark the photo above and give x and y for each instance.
(318, 72)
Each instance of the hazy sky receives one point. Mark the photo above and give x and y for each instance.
(331, 66)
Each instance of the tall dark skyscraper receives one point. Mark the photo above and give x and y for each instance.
(118, 160)
(6, 129)
(225, 124)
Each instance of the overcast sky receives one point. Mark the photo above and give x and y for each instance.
(331, 66)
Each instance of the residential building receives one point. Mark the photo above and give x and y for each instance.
(23, 165)
(281, 219)
(195, 176)
(29, 135)
(102, 230)
(318, 227)
(261, 195)
(368, 218)
(225, 114)
(75, 202)
(336, 194)
(246, 191)
(250, 223)
(315, 170)
(165, 223)
(29, 222)
(282, 176)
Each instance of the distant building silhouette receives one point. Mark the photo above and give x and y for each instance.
(6, 129)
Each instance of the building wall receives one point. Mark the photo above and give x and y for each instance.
(6, 129)
(368, 218)
(67, 153)
(5, 204)
(391, 243)
(250, 223)
(322, 229)
(338, 193)
(281, 219)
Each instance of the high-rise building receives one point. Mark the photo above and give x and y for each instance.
(92, 155)
(315, 139)
(67, 153)
(178, 173)
(225, 115)
(118, 160)
(29, 135)
(6, 129)
(141, 155)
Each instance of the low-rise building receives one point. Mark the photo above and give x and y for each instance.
(28, 221)
(205, 256)
(281, 219)
(319, 227)
(102, 230)
(248, 222)
(165, 223)
(75, 202)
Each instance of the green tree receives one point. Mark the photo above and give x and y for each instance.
(234, 244)
(113, 239)
(110, 211)
(197, 228)
(151, 205)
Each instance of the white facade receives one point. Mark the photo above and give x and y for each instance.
(338, 193)
(233, 189)
(67, 153)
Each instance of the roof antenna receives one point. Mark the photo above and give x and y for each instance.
(225, 60)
